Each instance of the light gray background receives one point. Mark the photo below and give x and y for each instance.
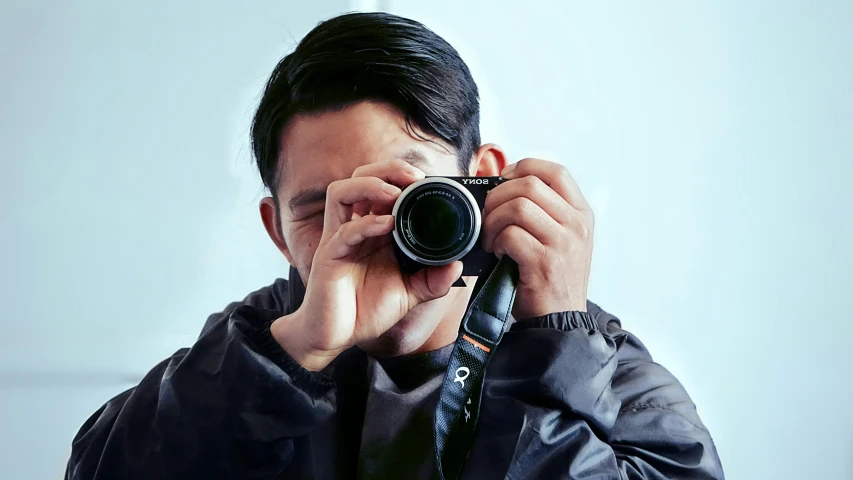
(711, 138)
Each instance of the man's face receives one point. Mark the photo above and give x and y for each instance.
(319, 149)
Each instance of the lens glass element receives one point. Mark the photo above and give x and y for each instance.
(436, 222)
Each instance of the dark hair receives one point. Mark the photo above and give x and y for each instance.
(370, 56)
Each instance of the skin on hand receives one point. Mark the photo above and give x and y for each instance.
(542, 221)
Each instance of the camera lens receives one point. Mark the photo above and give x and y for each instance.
(437, 221)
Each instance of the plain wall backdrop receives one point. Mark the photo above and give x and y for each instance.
(713, 140)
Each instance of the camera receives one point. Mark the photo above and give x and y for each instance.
(437, 220)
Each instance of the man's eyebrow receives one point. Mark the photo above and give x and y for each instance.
(307, 197)
(415, 158)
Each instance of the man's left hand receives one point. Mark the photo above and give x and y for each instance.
(540, 219)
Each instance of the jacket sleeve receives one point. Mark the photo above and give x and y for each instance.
(228, 407)
(594, 399)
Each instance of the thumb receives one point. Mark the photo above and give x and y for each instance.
(432, 282)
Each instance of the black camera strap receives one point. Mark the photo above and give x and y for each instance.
(479, 335)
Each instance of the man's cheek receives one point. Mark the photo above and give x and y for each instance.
(301, 247)
(307, 246)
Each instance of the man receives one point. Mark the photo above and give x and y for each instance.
(338, 376)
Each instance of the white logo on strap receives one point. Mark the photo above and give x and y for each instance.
(459, 378)
(467, 413)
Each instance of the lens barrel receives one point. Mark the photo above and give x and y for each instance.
(436, 221)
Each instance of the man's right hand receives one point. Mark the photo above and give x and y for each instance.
(355, 290)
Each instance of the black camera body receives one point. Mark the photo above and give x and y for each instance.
(438, 220)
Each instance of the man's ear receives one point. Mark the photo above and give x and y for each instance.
(489, 161)
(272, 223)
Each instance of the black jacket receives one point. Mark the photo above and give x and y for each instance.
(560, 401)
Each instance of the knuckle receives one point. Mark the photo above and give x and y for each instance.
(334, 189)
(505, 235)
(587, 231)
(584, 228)
(360, 171)
(346, 229)
(532, 183)
(535, 184)
(521, 206)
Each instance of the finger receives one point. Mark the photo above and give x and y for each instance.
(553, 174)
(351, 234)
(533, 188)
(432, 282)
(395, 172)
(524, 213)
(520, 245)
(343, 195)
(364, 208)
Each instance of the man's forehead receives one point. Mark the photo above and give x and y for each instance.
(320, 167)
(358, 135)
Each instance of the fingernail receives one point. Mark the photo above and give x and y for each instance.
(508, 170)
(383, 219)
(390, 189)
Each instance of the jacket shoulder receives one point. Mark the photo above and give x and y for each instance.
(271, 297)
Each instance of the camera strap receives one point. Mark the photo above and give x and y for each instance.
(479, 335)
